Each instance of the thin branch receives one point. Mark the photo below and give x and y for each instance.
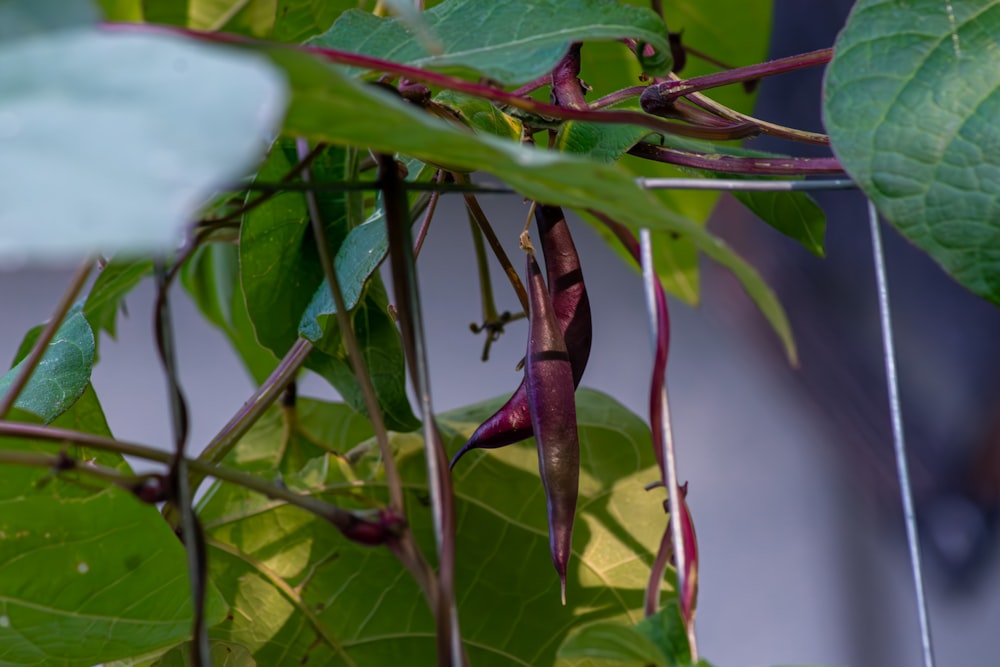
(191, 532)
(668, 92)
(343, 519)
(738, 164)
(450, 650)
(38, 350)
(255, 406)
(425, 224)
(354, 353)
(479, 216)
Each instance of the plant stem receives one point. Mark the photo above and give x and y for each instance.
(566, 87)
(255, 406)
(354, 353)
(338, 516)
(477, 214)
(735, 131)
(669, 91)
(425, 224)
(38, 350)
(450, 650)
(734, 164)
(614, 98)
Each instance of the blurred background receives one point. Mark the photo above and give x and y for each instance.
(792, 481)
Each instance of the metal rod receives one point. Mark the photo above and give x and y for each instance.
(649, 281)
(899, 444)
(726, 184)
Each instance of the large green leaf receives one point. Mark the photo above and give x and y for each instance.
(87, 576)
(112, 141)
(510, 42)
(911, 103)
(329, 106)
(301, 591)
(63, 372)
(617, 642)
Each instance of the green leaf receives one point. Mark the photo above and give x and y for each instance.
(289, 21)
(224, 654)
(279, 262)
(112, 141)
(607, 640)
(665, 629)
(122, 10)
(286, 438)
(328, 106)
(29, 18)
(113, 284)
(510, 42)
(300, 591)
(63, 372)
(911, 102)
(88, 576)
(281, 273)
(382, 349)
(211, 278)
(481, 115)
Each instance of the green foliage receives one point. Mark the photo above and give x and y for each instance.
(911, 102)
(117, 142)
(310, 594)
(63, 372)
(510, 42)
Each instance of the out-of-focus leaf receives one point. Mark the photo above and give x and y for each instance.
(113, 284)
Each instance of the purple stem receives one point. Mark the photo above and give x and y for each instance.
(667, 92)
(731, 132)
(733, 164)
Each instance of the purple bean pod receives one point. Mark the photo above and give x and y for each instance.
(552, 403)
(568, 294)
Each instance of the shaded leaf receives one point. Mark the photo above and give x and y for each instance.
(280, 272)
(510, 42)
(911, 101)
(327, 106)
(113, 284)
(300, 591)
(211, 278)
(121, 10)
(382, 349)
(63, 372)
(665, 629)
(30, 18)
(617, 642)
(136, 130)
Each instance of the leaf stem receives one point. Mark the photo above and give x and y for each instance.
(254, 407)
(38, 350)
(354, 353)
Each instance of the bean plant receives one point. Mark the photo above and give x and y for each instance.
(269, 157)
